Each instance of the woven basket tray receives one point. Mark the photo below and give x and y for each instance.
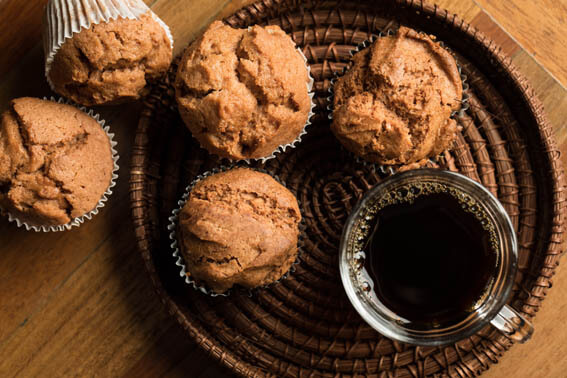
(305, 325)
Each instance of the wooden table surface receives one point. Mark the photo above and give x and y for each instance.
(79, 303)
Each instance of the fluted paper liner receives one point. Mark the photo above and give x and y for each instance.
(76, 222)
(65, 17)
(389, 168)
(172, 228)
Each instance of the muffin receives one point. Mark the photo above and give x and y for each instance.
(111, 62)
(238, 227)
(243, 92)
(55, 162)
(393, 106)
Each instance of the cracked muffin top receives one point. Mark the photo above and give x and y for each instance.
(55, 162)
(110, 62)
(243, 92)
(239, 227)
(393, 106)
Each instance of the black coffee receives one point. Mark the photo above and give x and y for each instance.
(431, 261)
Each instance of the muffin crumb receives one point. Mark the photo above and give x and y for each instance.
(239, 227)
(394, 105)
(242, 93)
(55, 162)
(112, 61)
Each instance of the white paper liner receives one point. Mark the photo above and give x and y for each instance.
(393, 168)
(63, 18)
(76, 222)
(172, 228)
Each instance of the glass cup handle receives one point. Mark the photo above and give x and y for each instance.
(513, 325)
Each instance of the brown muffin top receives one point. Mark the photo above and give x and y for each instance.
(239, 227)
(111, 61)
(394, 105)
(55, 162)
(243, 93)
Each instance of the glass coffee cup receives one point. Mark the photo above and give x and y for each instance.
(428, 257)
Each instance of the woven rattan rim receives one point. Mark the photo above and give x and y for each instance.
(293, 329)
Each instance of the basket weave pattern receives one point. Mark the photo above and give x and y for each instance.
(305, 325)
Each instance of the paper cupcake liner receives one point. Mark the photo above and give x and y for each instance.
(392, 168)
(63, 18)
(76, 222)
(179, 260)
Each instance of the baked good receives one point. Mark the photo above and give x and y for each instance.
(243, 92)
(111, 61)
(55, 162)
(238, 227)
(393, 106)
